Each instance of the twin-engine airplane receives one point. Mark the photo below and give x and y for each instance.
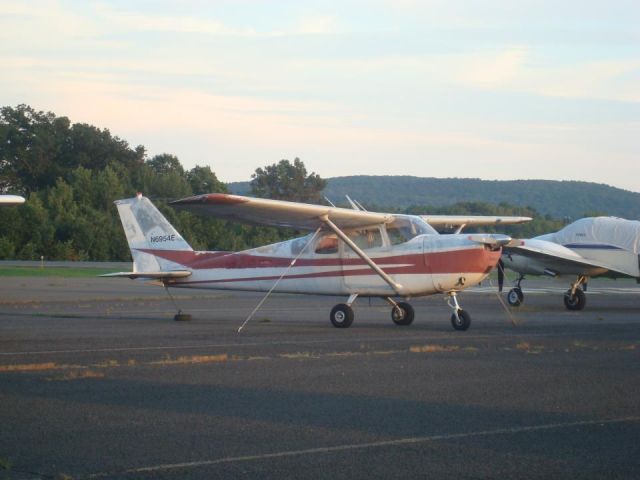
(589, 247)
(350, 252)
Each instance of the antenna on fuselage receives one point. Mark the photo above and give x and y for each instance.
(353, 204)
(360, 205)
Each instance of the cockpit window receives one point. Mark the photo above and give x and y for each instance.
(366, 239)
(403, 229)
(327, 244)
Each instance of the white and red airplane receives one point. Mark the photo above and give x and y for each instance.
(350, 252)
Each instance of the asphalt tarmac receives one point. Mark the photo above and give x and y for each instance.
(98, 381)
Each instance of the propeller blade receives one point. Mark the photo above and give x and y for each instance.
(500, 275)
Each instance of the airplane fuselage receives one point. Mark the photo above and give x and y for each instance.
(424, 265)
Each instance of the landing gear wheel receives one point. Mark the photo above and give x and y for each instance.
(402, 314)
(515, 296)
(182, 317)
(462, 321)
(341, 316)
(575, 302)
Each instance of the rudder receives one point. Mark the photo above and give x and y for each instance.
(147, 230)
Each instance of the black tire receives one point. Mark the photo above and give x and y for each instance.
(575, 302)
(462, 321)
(182, 317)
(515, 297)
(402, 314)
(341, 316)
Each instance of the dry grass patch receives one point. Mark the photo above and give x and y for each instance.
(433, 348)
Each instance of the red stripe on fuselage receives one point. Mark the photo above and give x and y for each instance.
(472, 260)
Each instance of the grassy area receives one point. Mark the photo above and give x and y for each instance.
(68, 272)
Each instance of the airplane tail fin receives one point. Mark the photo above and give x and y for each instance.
(156, 246)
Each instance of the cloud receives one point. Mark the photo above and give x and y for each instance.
(177, 24)
(135, 21)
(516, 70)
(495, 71)
(318, 25)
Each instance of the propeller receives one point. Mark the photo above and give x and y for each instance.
(500, 275)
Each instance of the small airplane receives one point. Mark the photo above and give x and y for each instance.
(351, 252)
(589, 247)
(10, 200)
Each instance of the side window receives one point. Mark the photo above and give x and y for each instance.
(405, 227)
(396, 235)
(327, 244)
(400, 231)
(366, 239)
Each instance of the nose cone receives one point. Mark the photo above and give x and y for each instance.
(491, 258)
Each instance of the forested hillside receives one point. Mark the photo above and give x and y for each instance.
(559, 199)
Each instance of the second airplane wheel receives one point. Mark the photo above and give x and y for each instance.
(575, 302)
(341, 316)
(515, 296)
(402, 314)
(462, 321)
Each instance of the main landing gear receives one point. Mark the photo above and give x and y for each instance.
(341, 316)
(402, 313)
(515, 297)
(575, 298)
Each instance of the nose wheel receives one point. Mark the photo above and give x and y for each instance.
(460, 319)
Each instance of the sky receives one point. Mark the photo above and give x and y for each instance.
(483, 89)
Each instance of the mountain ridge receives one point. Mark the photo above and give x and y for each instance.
(556, 198)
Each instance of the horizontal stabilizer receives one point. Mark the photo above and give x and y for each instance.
(151, 275)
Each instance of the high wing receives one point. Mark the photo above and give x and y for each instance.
(278, 213)
(475, 220)
(558, 259)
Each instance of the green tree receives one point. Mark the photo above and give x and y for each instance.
(165, 163)
(287, 181)
(28, 145)
(203, 180)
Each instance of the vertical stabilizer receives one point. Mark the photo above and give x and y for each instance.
(150, 235)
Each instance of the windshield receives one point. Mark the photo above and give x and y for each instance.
(405, 227)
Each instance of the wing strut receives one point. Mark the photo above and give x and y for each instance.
(396, 286)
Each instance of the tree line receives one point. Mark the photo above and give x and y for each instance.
(72, 173)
